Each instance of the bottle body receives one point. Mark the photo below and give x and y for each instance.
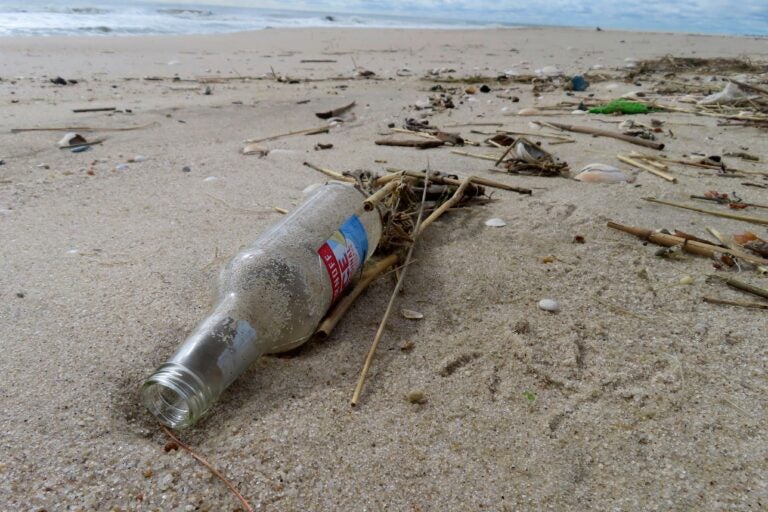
(272, 295)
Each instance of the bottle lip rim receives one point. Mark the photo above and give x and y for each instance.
(185, 385)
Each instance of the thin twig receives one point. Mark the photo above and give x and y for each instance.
(393, 297)
(740, 285)
(308, 131)
(82, 129)
(715, 300)
(745, 218)
(212, 469)
(648, 168)
(328, 172)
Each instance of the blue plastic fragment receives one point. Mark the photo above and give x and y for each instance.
(579, 83)
(80, 149)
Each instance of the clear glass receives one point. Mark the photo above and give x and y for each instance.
(272, 296)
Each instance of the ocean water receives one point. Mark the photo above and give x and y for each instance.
(105, 18)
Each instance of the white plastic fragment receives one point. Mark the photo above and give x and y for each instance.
(495, 223)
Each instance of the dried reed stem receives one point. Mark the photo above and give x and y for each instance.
(212, 469)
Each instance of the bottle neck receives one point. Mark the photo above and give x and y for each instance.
(219, 350)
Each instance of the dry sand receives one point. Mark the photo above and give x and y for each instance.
(636, 396)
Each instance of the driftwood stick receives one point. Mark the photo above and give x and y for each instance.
(445, 180)
(336, 112)
(308, 131)
(606, 133)
(715, 300)
(393, 297)
(714, 200)
(535, 134)
(740, 285)
(98, 109)
(375, 198)
(691, 246)
(81, 144)
(82, 129)
(328, 172)
(745, 218)
(455, 198)
(210, 467)
(340, 309)
(421, 144)
(648, 168)
(504, 155)
(474, 155)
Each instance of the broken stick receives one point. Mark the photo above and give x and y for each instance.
(606, 133)
(648, 168)
(335, 112)
(308, 131)
(745, 218)
(421, 144)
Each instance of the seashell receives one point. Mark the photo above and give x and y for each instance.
(529, 112)
(495, 223)
(687, 280)
(530, 152)
(411, 314)
(549, 305)
(71, 138)
(602, 173)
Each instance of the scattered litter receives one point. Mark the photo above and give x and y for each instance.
(621, 106)
(137, 159)
(337, 112)
(80, 149)
(578, 83)
(121, 167)
(549, 305)
(411, 314)
(495, 223)
(731, 93)
(602, 173)
(320, 146)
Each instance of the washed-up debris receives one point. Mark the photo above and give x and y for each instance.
(743, 304)
(578, 83)
(495, 223)
(740, 285)
(61, 81)
(254, 149)
(308, 131)
(731, 93)
(605, 133)
(743, 155)
(529, 111)
(72, 139)
(602, 173)
(717, 65)
(96, 109)
(754, 243)
(320, 146)
(622, 106)
(549, 305)
(411, 314)
(421, 144)
(81, 148)
(745, 218)
(337, 112)
(526, 157)
(648, 167)
(722, 255)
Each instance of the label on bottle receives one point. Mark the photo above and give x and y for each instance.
(344, 253)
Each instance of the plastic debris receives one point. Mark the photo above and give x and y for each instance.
(731, 93)
(623, 107)
(411, 314)
(579, 83)
(71, 139)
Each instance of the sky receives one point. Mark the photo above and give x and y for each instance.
(727, 16)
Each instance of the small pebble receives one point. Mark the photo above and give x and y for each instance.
(20, 295)
(187, 168)
(549, 305)
(687, 280)
(411, 314)
(416, 397)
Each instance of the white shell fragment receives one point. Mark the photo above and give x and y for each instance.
(495, 223)
(70, 139)
(549, 305)
(255, 149)
(602, 173)
(411, 314)
(528, 112)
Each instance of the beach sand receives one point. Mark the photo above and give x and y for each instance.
(635, 396)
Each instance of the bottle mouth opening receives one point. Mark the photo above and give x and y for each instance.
(167, 403)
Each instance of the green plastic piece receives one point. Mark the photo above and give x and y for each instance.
(623, 106)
